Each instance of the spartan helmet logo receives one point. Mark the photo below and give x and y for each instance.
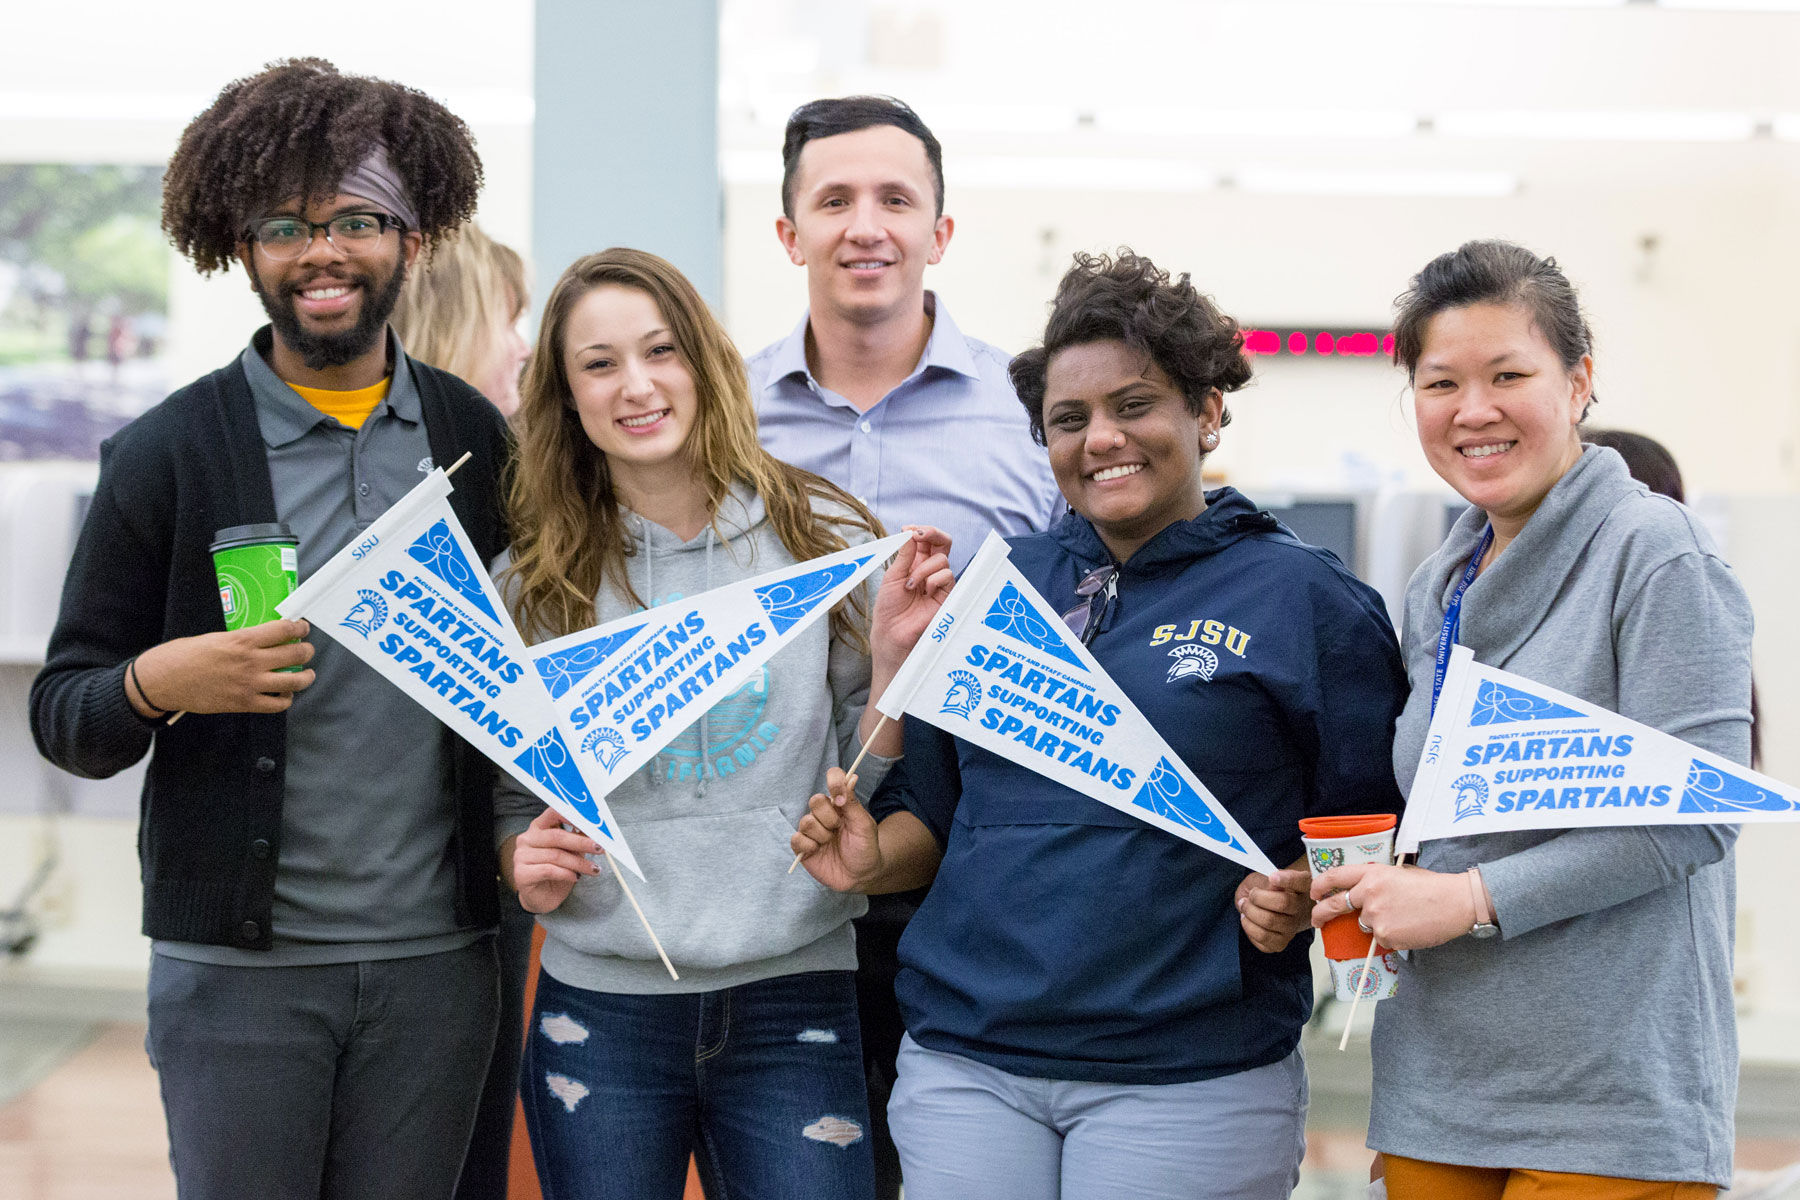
(1192, 660)
(964, 694)
(606, 745)
(1471, 794)
(368, 615)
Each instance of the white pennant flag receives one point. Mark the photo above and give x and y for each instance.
(997, 670)
(624, 690)
(1504, 752)
(411, 598)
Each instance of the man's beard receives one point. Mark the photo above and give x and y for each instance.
(321, 350)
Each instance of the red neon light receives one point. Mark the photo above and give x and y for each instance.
(1354, 343)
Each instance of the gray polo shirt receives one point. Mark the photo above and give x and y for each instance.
(368, 813)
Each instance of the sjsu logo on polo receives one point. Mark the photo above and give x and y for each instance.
(1192, 660)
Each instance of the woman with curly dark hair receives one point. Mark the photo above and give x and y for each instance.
(1095, 1008)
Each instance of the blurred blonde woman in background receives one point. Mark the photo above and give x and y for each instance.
(461, 313)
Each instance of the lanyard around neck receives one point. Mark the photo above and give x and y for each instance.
(1453, 616)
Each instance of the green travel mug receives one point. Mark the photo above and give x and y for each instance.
(258, 566)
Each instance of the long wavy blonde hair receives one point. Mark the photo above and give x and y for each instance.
(453, 306)
(569, 534)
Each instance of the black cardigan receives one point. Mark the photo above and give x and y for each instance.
(209, 835)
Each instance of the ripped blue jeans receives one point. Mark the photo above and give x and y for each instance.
(762, 1082)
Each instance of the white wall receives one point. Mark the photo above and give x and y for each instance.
(1698, 339)
(1698, 342)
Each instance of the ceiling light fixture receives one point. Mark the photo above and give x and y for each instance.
(1257, 123)
(1310, 181)
(1597, 126)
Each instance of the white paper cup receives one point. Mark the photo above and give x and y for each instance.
(1381, 981)
(1322, 854)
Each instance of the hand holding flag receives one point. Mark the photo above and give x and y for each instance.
(544, 863)
(912, 590)
(1274, 908)
(839, 835)
(914, 587)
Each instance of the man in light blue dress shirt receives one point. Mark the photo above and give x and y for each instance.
(877, 390)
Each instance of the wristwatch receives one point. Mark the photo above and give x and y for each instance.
(1484, 926)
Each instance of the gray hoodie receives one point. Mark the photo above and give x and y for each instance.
(710, 818)
(1597, 1035)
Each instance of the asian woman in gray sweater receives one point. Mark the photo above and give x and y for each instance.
(1564, 1025)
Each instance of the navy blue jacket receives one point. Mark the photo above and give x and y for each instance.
(1064, 939)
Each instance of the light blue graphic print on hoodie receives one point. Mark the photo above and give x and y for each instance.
(710, 816)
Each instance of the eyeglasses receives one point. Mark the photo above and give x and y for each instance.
(1102, 584)
(350, 234)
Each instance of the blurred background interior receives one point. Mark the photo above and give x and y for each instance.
(1301, 160)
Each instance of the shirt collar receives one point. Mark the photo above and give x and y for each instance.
(946, 348)
(284, 416)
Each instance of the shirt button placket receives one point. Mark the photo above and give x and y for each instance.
(864, 459)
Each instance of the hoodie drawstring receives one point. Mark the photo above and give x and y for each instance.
(705, 753)
(656, 764)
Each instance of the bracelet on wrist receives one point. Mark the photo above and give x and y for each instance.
(1484, 925)
(158, 713)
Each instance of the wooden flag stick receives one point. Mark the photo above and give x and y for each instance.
(1355, 1000)
(850, 774)
(619, 874)
(451, 470)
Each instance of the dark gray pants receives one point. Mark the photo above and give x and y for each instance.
(356, 1081)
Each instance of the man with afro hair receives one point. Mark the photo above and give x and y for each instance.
(317, 850)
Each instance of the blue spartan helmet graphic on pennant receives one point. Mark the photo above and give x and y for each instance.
(788, 601)
(1015, 616)
(549, 762)
(605, 744)
(564, 669)
(1168, 795)
(1710, 790)
(437, 549)
(1471, 794)
(368, 614)
(964, 694)
(1497, 704)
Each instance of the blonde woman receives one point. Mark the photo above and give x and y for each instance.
(640, 480)
(461, 313)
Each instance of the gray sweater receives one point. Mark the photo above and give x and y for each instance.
(1597, 1035)
(709, 819)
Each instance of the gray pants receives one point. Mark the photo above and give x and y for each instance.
(965, 1129)
(355, 1081)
